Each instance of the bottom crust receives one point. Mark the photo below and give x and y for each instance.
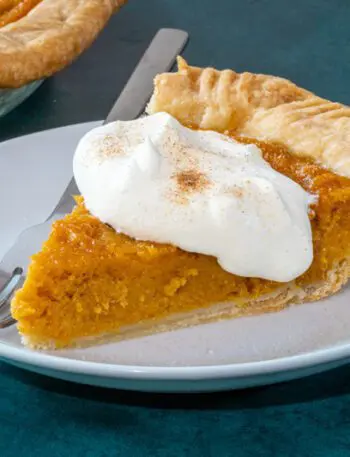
(287, 295)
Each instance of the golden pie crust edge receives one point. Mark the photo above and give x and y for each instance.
(51, 36)
(265, 107)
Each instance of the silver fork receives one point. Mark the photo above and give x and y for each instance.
(159, 57)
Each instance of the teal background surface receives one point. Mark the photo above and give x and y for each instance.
(307, 41)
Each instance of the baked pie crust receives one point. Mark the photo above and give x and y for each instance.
(49, 37)
(259, 106)
(13, 10)
(90, 284)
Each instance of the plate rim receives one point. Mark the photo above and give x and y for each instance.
(185, 373)
(90, 124)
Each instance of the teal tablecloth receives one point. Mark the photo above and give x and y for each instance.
(305, 40)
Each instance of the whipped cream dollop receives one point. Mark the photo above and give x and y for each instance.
(155, 180)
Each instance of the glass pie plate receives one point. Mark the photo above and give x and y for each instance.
(10, 98)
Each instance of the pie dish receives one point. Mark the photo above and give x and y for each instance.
(40, 37)
(90, 284)
(10, 98)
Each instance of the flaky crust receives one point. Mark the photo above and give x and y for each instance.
(53, 34)
(260, 106)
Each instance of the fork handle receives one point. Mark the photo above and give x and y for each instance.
(158, 57)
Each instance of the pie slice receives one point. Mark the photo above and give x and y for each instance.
(40, 37)
(91, 284)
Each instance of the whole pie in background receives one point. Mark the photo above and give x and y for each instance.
(92, 284)
(40, 37)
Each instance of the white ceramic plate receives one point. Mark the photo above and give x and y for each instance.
(227, 355)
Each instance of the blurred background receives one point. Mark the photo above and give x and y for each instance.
(305, 41)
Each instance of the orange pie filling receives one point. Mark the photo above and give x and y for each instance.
(88, 279)
(13, 10)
